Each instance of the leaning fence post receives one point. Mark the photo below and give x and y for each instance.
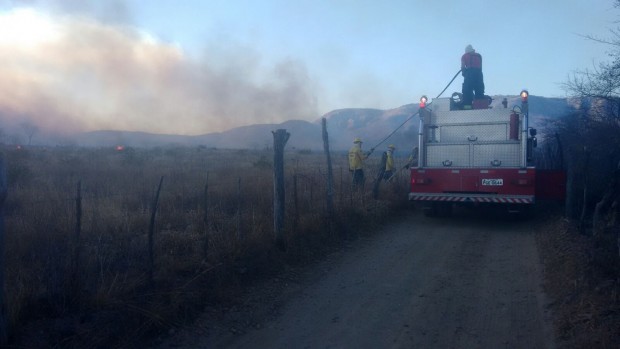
(152, 230)
(75, 258)
(3, 304)
(280, 137)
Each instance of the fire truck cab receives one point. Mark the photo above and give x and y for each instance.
(480, 155)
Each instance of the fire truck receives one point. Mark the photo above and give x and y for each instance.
(477, 156)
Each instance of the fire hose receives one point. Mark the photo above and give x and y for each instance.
(411, 117)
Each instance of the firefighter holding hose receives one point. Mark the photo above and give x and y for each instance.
(356, 162)
(388, 161)
(471, 68)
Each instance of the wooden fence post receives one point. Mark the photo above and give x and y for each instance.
(205, 219)
(341, 200)
(560, 151)
(75, 258)
(295, 203)
(239, 233)
(330, 174)
(3, 304)
(351, 195)
(152, 231)
(280, 137)
(311, 202)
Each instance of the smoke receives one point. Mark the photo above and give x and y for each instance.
(109, 11)
(72, 73)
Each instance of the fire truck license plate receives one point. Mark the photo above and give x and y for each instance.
(487, 181)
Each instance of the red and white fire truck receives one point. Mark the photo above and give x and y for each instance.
(479, 155)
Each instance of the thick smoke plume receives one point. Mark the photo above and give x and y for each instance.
(76, 73)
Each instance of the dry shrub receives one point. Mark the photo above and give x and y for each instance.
(582, 278)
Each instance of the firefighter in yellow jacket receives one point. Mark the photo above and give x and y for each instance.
(356, 162)
(388, 171)
(413, 158)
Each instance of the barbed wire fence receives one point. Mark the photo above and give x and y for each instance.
(101, 241)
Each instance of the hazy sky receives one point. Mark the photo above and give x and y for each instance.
(194, 67)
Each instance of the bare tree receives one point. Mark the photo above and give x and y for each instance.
(595, 126)
(30, 130)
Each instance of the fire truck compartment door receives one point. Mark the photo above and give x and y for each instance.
(458, 154)
(505, 154)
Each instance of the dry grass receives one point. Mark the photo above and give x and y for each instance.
(203, 253)
(582, 275)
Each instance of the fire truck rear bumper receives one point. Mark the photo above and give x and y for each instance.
(455, 197)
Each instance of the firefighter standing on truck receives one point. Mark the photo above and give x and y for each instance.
(471, 69)
(356, 162)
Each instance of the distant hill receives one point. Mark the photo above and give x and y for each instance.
(245, 137)
(343, 125)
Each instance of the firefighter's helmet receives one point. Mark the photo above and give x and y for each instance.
(357, 140)
(391, 146)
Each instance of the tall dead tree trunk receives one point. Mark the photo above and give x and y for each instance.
(330, 174)
(584, 207)
(3, 304)
(280, 137)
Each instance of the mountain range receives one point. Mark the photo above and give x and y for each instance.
(343, 125)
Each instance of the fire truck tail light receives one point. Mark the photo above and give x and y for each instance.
(420, 180)
(423, 101)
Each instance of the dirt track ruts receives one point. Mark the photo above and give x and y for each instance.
(462, 282)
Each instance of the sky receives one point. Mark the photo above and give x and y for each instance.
(193, 67)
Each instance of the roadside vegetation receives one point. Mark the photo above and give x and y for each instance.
(581, 249)
(581, 282)
(83, 270)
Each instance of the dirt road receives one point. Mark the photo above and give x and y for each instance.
(461, 282)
